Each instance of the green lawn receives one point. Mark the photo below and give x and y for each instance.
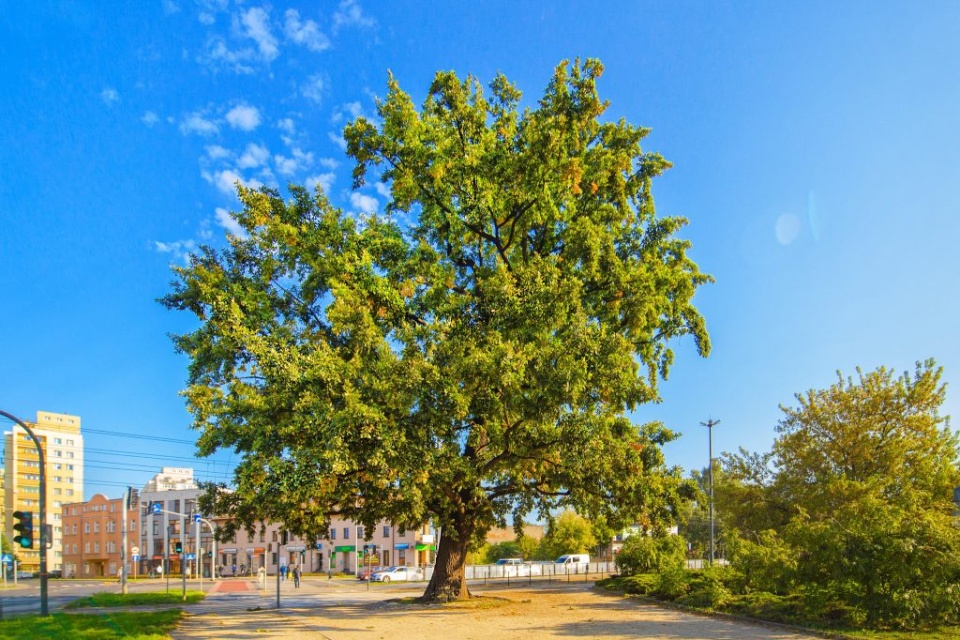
(139, 625)
(106, 599)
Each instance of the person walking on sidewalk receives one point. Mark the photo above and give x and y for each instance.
(296, 577)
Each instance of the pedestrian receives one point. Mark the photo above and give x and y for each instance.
(261, 576)
(234, 568)
(120, 574)
(159, 570)
(283, 573)
(296, 577)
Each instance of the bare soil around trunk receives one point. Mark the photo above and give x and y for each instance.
(568, 611)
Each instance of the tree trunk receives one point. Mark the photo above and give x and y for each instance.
(449, 580)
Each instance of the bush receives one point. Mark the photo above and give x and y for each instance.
(651, 554)
(709, 589)
(673, 583)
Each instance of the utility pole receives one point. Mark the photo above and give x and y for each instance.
(124, 505)
(710, 424)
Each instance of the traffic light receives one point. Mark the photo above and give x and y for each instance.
(24, 526)
(178, 547)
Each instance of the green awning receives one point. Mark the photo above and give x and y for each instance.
(424, 547)
(345, 548)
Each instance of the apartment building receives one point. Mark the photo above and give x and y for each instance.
(93, 537)
(62, 444)
(342, 551)
(168, 506)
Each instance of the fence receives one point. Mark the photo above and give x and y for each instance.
(529, 571)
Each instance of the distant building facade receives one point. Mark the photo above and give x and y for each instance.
(93, 537)
(168, 504)
(62, 444)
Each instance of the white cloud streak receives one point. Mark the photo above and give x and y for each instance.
(197, 123)
(244, 117)
(304, 32)
(256, 25)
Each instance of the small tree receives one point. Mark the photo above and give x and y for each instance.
(568, 532)
(656, 553)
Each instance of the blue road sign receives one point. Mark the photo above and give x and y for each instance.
(196, 517)
(7, 558)
(157, 508)
(190, 556)
(136, 558)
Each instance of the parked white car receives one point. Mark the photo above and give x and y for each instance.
(395, 574)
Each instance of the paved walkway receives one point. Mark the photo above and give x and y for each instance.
(576, 611)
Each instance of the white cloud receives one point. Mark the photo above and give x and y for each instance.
(350, 14)
(244, 117)
(324, 180)
(256, 25)
(206, 18)
(227, 179)
(363, 203)
(150, 118)
(338, 140)
(328, 163)
(110, 96)
(170, 7)
(382, 188)
(180, 249)
(197, 123)
(287, 125)
(306, 33)
(313, 88)
(216, 152)
(287, 166)
(219, 54)
(225, 220)
(253, 156)
(352, 109)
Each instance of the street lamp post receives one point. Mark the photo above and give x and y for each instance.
(710, 424)
(43, 512)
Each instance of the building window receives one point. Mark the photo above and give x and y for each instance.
(96, 527)
(86, 527)
(386, 531)
(346, 533)
(360, 532)
(333, 534)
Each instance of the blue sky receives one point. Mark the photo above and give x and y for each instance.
(816, 150)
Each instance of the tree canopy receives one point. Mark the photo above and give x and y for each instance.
(465, 355)
(857, 493)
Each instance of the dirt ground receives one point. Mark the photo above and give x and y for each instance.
(577, 611)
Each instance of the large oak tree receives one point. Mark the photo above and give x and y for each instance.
(467, 354)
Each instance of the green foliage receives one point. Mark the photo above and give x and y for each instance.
(137, 625)
(767, 564)
(568, 532)
(495, 552)
(469, 353)
(857, 494)
(528, 547)
(651, 554)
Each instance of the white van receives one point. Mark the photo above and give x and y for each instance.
(574, 558)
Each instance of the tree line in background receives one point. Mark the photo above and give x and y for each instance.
(848, 521)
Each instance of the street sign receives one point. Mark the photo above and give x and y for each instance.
(196, 517)
(157, 508)
(190, 556)
(7, 558)
(135, 551)
(298, 547)
(136, 557)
